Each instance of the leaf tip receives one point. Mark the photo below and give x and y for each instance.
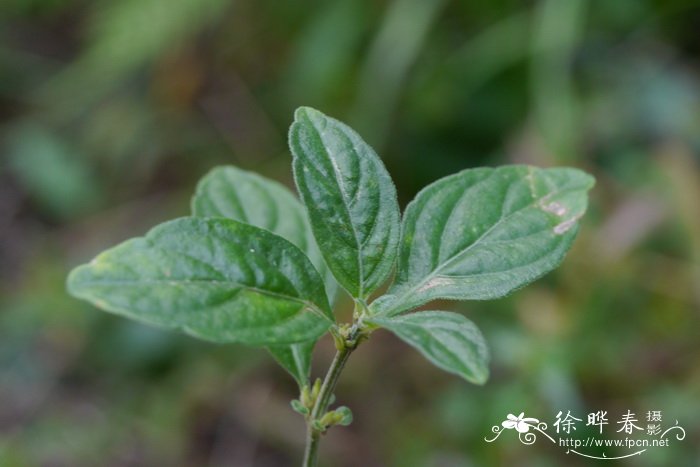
(479, 378)
(590, 180)
(305, 113)
(73, 281)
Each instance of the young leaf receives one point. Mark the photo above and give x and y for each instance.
(449, 340)
(344, 415)
(340, 416)
(295, 358)
(482, 233)
(298, 407)
(216, 279)
(350, 199)
(247, 197)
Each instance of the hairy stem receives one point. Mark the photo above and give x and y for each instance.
(313, 434)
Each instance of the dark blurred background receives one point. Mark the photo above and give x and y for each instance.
(110, 111)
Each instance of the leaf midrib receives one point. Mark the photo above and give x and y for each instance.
(343, 196)
(417, 328)
(307, 304)
(436, 272)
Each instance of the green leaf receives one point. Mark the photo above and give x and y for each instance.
(350, 199)
(449, 340)
(344, 415)
(482, 233)
(244, 196)
(216, 279)
(295, 358)
(340, 416)
(298, 407)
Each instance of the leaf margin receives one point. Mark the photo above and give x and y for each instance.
(73, 286)
(356, 287)
(478, 373)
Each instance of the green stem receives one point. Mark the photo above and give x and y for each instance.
(313, 435)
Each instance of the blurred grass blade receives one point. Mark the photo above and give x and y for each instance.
(395, 48)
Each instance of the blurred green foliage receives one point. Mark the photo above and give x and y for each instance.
(111, 110)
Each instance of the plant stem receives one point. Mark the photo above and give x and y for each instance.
(313, 435)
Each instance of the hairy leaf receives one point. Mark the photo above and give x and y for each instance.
(216, 279)
(244, 196)
(350, 199)
(295, 358)
(449, 340)
(482, 233)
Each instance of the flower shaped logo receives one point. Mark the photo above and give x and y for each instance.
(520, 423)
